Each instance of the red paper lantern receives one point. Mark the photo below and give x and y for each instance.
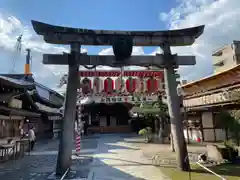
(156, 85)
(86, 86)
(118, 84)
(131, 85)
(152, 85)
(140, 85)
(108, 85)
(97, 85)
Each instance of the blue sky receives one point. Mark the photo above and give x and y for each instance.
(15, 17)
(95, 14)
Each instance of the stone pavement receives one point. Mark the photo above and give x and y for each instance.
(161, 154)
(41, 162)
(102, 157)
(118, 160)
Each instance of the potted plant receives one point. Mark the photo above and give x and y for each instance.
(146, 133)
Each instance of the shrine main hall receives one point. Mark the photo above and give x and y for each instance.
(106, 97)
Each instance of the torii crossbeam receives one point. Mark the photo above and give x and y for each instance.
(122, 43)
(65, 35)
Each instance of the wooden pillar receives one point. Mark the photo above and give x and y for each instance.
(187, 125)
(66, 140)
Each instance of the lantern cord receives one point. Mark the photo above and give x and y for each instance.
(94, 81)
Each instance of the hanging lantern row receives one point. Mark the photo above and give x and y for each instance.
(131, 85)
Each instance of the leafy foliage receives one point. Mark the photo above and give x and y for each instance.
(147, 133)
(156, 108)
(142, 132)
(230, 120)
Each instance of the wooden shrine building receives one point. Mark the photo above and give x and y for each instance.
(25, 103)
(112, 94)
(203, 99)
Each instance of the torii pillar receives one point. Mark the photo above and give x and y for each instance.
(177, 135)
(64, 160)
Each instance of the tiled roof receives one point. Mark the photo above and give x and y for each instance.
(19, 82)
(228, 76)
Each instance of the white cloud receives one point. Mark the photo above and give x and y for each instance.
(220, 17)
(10, 29)
(135, 51)
(222, 24)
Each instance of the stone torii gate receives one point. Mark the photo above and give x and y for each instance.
(122, 43)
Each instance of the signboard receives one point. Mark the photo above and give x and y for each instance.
(47, 109)
(54, 118)
(220, 97)
(3, 117)
(121, 99)
(15, 103)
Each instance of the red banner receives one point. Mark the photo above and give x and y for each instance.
(118, 73)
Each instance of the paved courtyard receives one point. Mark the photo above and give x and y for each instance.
(117, 160)
(103, 157)
(41, 162)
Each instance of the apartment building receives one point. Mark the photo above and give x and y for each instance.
(226, 57)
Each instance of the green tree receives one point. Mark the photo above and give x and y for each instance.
(235, 125)
(162, 122)
(230, 121)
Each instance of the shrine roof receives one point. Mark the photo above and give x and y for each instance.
(17, 83)
(23, 81)
(222, 79)
(54, 34)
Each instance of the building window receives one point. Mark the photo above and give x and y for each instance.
(234, 45)
(218, 53)
(219, 64)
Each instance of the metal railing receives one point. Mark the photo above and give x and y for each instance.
(207, 169)
(193, 158)
(65, 174)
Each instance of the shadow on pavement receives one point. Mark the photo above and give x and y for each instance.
(106, 172)
(37, 167)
